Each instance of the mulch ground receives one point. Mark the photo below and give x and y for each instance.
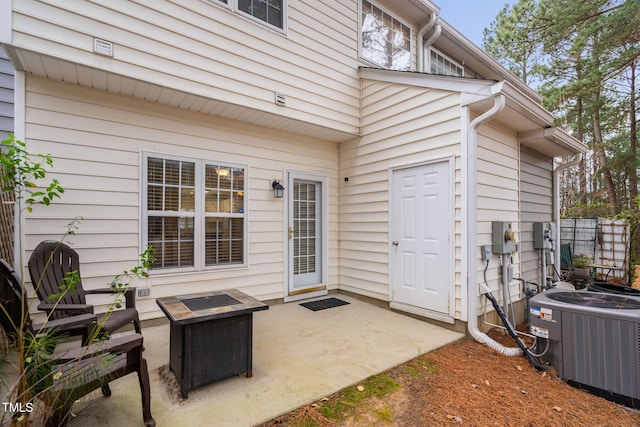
(469, 384)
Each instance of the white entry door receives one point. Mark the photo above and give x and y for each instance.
(422, 218)
(307, 212)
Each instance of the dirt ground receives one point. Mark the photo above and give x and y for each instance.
(469, 384)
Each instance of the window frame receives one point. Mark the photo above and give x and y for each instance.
(199, 215)
(446, 58)
(396, 18)
(232, 5)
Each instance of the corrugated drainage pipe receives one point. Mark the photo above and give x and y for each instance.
(472, 283)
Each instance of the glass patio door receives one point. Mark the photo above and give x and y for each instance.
(305, 231)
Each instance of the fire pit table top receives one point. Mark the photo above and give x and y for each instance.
(203, 306)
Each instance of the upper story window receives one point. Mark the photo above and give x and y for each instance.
(385, 40)
(440, 64)
(269, 11)
(194, 212)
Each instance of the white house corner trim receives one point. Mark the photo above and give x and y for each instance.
(19, 131)
(464, 214)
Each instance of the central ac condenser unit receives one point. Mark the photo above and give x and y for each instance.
(592, 339)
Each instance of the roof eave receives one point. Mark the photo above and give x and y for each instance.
(431, 6)
(552, 141)
(455, 36)
(523, 103)
(430, 81)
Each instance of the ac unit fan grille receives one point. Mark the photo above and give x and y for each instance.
(595, 299)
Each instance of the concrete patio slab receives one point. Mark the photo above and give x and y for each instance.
(298, 356)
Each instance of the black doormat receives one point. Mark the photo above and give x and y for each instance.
(324, 304)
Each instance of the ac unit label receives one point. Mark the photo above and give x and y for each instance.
(542, 313)
(540, 332)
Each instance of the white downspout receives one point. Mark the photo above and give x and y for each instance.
(422, 45)
(472, 246)
(556, 200)
(434, 36)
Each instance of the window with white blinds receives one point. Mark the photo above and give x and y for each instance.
(306, 227)
(194, 212)
(171, 211)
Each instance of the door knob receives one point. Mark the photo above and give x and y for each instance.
(395, 243)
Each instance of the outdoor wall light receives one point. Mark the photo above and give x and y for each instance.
(278, 189)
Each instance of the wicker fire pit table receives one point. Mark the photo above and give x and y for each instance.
(210, 336)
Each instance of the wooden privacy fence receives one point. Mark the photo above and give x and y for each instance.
(604, 241)
(6, 227)
(613, 249)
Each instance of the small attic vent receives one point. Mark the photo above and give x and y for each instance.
(102, 47)
(280, 99)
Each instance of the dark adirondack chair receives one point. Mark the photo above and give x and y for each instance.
(76, 372)
(49, 264)
(14, 307)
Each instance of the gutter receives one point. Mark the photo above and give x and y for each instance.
(485, 64)
(523, 104)
(472, 245)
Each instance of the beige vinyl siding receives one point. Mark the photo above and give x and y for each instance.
(203, 48)
(6, 95)
(96, 140)
(401, 125)
(498, 193)
(536, 204)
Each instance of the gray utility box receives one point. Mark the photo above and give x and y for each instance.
(593, 340)
(543, 235)
(503, 240)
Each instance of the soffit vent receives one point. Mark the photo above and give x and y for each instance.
(280, 99)
(102, 47)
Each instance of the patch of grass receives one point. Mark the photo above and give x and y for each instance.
(347, 400)
(430, 366)
(385, 415)
(419, 367)
(412, 370)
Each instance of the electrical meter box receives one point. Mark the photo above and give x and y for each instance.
(544, 235)
(503, 238)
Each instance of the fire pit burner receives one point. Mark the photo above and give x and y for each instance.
(212, 301)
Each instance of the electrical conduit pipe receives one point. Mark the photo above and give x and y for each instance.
(472, 248)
